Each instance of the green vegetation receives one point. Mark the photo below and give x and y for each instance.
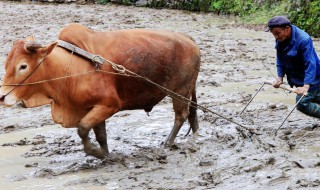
(306, 14)
(303, 13)
(102, 1)
(265, 12)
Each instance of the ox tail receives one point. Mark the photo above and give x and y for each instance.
(193, 106)
(193, 118)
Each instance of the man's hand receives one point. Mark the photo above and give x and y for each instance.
(302, 90)
(278, 82)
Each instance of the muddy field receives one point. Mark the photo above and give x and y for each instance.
(37, 154)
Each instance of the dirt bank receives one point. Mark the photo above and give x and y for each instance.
(36, 154)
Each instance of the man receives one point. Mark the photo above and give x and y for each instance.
(297, 59)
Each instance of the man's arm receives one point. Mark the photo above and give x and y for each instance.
(280, 67)
(309, 60)
(281, 73)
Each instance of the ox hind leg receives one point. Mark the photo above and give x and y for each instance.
(101, 137)
(181, 110)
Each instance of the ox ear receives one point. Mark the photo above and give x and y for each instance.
(48, 49)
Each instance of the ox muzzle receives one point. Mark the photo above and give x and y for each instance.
(2, 98)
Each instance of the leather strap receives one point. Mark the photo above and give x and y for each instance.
(97, 59)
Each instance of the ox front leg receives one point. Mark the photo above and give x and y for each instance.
(95, 120)
(101, 137)
(88, 147)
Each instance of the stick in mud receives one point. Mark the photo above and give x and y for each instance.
(252, 98)
(289, 114)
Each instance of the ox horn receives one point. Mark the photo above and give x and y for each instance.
(32, 46)
(30, 38)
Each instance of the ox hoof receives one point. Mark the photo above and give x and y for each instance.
(170, 145)
(96, 152)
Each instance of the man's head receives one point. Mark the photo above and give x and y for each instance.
(280, 27)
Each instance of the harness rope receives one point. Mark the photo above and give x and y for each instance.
(121, 70)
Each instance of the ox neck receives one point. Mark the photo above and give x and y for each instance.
(97, 60)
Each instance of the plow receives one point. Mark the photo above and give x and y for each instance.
(284, 87)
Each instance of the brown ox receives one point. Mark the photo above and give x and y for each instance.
(169, 59)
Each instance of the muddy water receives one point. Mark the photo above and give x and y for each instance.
(36, 154)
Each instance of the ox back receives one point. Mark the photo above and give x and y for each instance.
(169, 59)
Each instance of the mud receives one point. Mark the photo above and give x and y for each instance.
(37, 154)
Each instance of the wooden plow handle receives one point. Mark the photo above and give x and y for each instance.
(284, 87)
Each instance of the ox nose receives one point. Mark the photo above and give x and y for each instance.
(2, 98)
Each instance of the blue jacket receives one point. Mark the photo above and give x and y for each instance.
(298, 60)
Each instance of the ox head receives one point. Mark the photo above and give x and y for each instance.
(20, 67)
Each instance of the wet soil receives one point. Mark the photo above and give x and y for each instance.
(37, 154)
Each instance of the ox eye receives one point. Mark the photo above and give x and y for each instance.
(23, 67)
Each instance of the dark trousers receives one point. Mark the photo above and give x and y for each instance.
(310, 104)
